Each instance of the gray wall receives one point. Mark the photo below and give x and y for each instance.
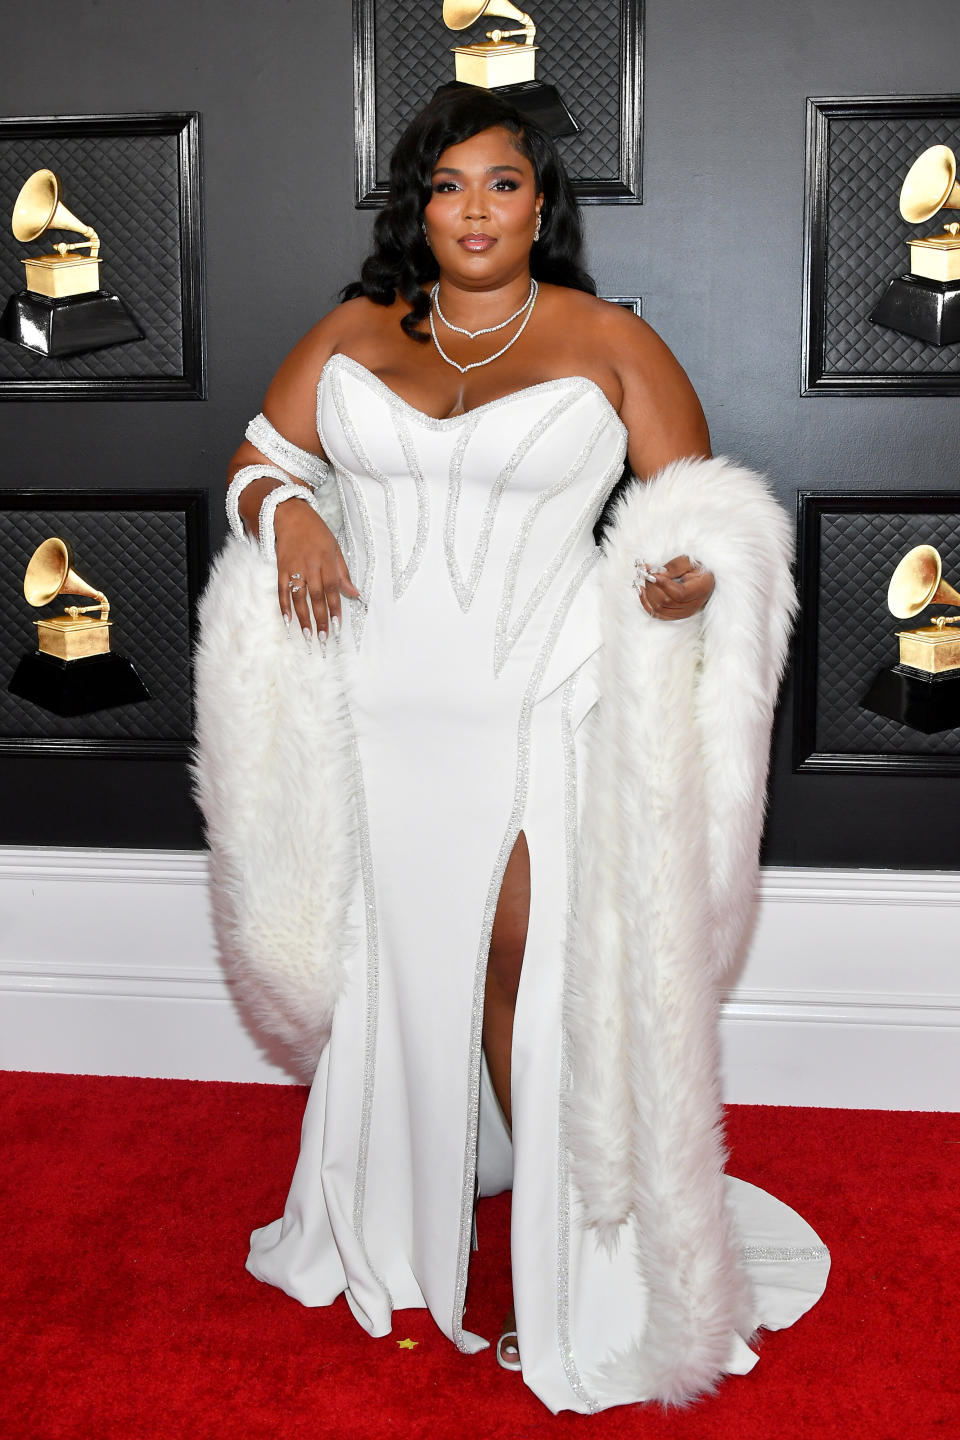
(715, 251)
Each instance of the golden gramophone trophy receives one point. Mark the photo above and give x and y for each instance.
(923, 690)
(506, 63)
(73, 670)
(62, 311)
(926, 302)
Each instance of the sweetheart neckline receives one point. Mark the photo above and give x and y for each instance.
(443, 420)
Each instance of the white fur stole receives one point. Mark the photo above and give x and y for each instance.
(272, 772)
(674, 802)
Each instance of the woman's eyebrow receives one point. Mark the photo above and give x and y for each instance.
(490, 170)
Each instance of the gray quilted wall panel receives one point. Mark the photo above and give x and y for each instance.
(856, 634)
(138, 558)
(866, 243)
(127, 188)
(579, 54)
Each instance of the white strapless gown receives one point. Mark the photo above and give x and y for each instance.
(470, 540)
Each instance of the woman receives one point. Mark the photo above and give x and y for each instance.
(475, 401)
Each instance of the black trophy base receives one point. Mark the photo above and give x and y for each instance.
(538, 101)
(926, 309)
(69, 326)
(924, 702)
(77, 687)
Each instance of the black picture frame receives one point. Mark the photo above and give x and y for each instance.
(162, 280)
(156, 546)
(844, 608)
(623, 19)
(858, 150)
(629, 302)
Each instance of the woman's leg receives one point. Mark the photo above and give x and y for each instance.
(504, 964)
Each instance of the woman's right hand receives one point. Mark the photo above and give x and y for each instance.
(307, 546)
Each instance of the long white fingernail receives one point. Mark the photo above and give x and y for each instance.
(323, 644)
(335, 626)
(308, 632)
(286, 621)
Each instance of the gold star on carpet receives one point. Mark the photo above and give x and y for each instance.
(407, 1344)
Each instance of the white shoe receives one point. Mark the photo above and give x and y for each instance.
(508, 1351)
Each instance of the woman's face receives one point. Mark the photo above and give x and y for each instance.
(483, 211)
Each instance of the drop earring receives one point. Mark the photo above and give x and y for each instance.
(536, 233)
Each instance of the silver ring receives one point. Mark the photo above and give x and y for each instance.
(295, 575)
(294, 589)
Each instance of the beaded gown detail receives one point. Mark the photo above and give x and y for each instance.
(473, 684)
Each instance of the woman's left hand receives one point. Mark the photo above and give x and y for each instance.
(677, 590)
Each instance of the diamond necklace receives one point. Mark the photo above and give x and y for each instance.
(528, 306)
(489, 329)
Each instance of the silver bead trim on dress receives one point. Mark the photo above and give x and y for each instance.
(504, 641)
(239, 483)
(365, 582)
(400, 573)
(372, 1015)
(506, 636)
(466, 589)
(486, 929)
(369, 559)
(777, 1253)
(357, 607)
(462, 591)
(431, 422)
(564, 1341)
(275, 446)
(423, 508)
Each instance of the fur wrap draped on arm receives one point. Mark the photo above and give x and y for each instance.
(673, 811)
(272, 773)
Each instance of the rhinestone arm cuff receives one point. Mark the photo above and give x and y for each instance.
(295, 461)
(290, 491)
(239, 483)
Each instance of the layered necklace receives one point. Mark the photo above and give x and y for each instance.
(527, 307)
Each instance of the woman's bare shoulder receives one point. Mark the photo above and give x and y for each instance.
(618, 328)
(609, 335)
(291, 399)
(334, 331)
(657, 402)
(619, 335)
(604, 317)
(660, 408)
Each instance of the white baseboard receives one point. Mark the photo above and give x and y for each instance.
(850, 995)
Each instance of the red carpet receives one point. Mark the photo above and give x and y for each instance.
(127, 1313)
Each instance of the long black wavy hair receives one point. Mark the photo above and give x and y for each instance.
(402, 262)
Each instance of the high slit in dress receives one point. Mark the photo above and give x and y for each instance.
(472, 691)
